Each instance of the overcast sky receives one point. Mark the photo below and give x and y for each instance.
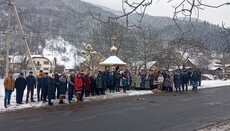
(162, 8)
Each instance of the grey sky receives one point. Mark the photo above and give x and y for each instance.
(162, 8)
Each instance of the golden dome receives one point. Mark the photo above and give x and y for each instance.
(113, 49)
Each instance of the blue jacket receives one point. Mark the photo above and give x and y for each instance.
(30, 81)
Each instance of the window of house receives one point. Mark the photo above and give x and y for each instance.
(46, 69)
(38, 63)
(46, 63)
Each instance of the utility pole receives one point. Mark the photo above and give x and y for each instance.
(8, 38)
(25, 41)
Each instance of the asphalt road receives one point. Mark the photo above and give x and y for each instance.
(161, 112)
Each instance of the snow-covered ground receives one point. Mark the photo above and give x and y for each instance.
(224, 126)
(14, 106)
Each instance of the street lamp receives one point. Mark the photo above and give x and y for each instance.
(89, 52)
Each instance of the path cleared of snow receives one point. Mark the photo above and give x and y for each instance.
(14, 106)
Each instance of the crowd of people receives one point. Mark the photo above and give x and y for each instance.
(84, 84)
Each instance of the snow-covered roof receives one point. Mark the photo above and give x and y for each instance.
(113, 61)
(16, 58)
(49, 57)
(149, 64)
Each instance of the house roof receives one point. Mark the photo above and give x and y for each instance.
(113, 61)
(149, 64)
(49, 57)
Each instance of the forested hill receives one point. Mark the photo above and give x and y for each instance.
(70, 19)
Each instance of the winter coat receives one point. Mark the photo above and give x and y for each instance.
(195, 77)
(78, 83)
(45, 82)
(124, 82)
(62, 85)
(30, 81)
(20, 83)
(87, 82)
(166, 80)
(111, 80)
(51, 88)
(99, 82)
(9, 83)
(118, 78)
(92, 82)
(138, 81)
(56, 78)
(143, 78)
(185, 78)
(39, 78)
(177, 80)
(151, 80)
(171, 80)
(105, 77)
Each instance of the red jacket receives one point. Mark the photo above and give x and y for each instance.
(87, 80)
(78, 83)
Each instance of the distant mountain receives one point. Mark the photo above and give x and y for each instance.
(70, 19)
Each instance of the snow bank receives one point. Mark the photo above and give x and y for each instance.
(14, 106)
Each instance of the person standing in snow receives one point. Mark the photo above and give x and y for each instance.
(99, 83)
(51, 88)
(138, 81)
(151, 80)
(87, 84)
(78, 86)
(20, 85)
(185, 80)
(92, 84)
(117, 80)
(9, 88)
(39, 84)
(31, 84)
(195, 80)
(111, 82)
(56, 78)
(177, 81)
(44, 87)
(62, 87)
(124, 82)
(71, 84)
(171, 81)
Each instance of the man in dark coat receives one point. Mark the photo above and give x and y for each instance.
(151, 80)
(195, 79)
(71, 80)
(51, 88)
(111, 83)
(31, 84)
(56, 78)
(117, 76)
(92, 84)
(45, 87)
(62, 87)
(20, 85)
(185, 80)
(105, 79)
